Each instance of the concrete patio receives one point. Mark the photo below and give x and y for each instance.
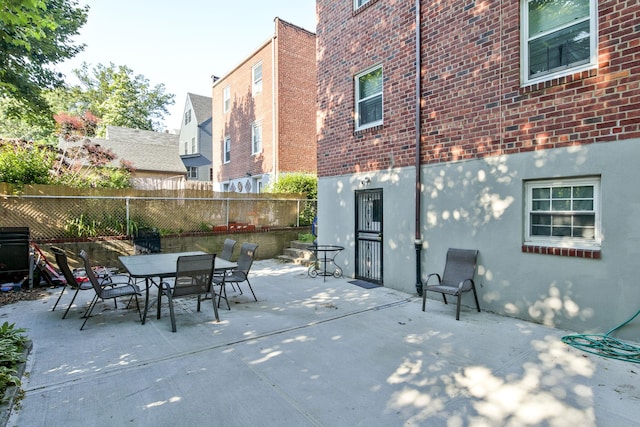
(311, 353)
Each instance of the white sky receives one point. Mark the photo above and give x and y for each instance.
(181, 43)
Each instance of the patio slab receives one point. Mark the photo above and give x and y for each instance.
(311, 353)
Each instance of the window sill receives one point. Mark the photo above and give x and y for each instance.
(373, 128)
(558, 81)
(570, 252)
(364, 7)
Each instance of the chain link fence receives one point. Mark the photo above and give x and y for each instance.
(64, 217)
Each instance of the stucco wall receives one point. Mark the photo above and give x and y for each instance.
(479, 204)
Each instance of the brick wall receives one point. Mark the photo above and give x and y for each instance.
(296, 70)
(348, 43)
(245, 110)
(296, 50)
(472, 102)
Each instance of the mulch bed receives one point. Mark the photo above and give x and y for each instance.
(11, 297)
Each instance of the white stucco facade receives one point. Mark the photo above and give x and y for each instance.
(479, 204)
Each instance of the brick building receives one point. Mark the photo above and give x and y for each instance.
(264, 113)
(520, 138)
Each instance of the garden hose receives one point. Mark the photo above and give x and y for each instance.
(605, 345)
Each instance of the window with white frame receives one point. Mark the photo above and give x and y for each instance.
(186, 148)
(227, 149)
(559, 37)
(256, 78)
(226, 98)
(563, 213)
(187, 116)
(256, 138)
(369, 85)
(359, 3)
(193, 145)
(192, 172)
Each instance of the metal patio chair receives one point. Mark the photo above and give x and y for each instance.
(456, 279)
(112, 291)
(227, 249)
(70, 279)
(227, 254)
(239, 274)
(193, 277)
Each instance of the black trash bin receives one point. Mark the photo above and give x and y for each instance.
(147, 241)
(14, 252)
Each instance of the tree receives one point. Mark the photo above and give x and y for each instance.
(34, 35)
(298, 183)
(82, 163)
(22, 162)
(36, 128)
(117, 97)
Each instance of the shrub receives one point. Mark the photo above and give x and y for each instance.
(12, 341)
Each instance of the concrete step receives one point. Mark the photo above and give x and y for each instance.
(288, 260)
(296, 253)
(299, 245)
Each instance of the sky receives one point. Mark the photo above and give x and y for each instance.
(181, 44)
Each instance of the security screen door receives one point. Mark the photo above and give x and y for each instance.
(369, 235)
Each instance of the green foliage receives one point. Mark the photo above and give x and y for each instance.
(107, 223)
(295, 183)
(34, 35)
(298, 183)
(29, 127)
(25, 164)
(306, 237)
(12, 341)
(117, 97)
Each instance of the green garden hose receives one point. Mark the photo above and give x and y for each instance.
(606, 346)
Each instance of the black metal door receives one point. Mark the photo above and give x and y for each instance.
(369, 235)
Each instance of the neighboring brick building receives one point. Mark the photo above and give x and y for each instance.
(264, 113)
(529, 135)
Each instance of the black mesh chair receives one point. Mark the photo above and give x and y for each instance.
(227, 249)
(456, 279)
(239, 274)
(193, 277)
(113, 291)
(70, 279)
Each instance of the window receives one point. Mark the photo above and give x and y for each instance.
(256, 138)
(192, 172)
(226, 98)
(186, 148)
(187, 116)
(227, 149)
(369, 87)
(563, 213)
(359, 3)
(256, 77)
(559, 37)
(193, 145)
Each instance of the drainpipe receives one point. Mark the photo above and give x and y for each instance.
(418, 239)
(274, 103)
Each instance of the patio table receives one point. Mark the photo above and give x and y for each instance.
(326, 259)
(162, 266)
